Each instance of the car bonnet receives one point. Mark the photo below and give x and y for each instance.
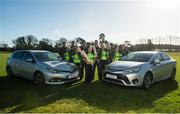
(124, 65)
(61, 66)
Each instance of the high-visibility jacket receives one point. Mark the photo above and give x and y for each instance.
(67, 56)
(76, 58)
(117, 56)
(104, 55)
(91, 57)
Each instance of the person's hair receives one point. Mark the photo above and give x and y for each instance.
(87, 47)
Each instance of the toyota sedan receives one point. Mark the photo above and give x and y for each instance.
(141, 68)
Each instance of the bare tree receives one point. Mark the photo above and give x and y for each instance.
(25, 42)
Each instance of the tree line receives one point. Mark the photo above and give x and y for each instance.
(31, 42)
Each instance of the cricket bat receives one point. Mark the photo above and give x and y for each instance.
(95, 52)
(85, 56)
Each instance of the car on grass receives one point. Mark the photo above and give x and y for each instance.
(141, 68)
(43, 67)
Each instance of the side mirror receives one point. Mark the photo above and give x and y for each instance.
(60, 58)
(157, 61)
(30, 60)
(123, 58)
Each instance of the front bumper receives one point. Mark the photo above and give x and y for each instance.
(124, 79)
(61, 78)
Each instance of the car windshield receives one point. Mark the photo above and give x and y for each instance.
(138, 57)
(45, 56)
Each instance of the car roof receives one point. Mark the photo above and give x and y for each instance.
(151, 52)
(31, 51)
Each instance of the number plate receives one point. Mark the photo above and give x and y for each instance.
(111, 76)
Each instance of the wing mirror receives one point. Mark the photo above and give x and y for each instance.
(123, 58)
(157, 61)
(60, 58)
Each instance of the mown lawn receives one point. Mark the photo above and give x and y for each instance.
(19, 95)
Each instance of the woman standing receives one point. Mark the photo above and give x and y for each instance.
(76, 58)
(117, 54)
(89, 59)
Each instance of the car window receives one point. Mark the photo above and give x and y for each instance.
(158, 56)
(165, 57)
(14, 55)
(45, 56)
(139, 57)
(18, 55)
(27, 55)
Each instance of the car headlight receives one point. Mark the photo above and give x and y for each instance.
(133, 70)
(52, 70)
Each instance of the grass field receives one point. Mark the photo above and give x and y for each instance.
(19, 95)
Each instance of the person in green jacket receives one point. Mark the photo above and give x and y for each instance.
(89, 60)
(103, 60)
(67, 54)
(117, 54)
(76, 58)
(89, 65)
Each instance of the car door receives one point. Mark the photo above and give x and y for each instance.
(28, 66)
(157, 69)
(13, 63)
(167, 65)
(17, 63)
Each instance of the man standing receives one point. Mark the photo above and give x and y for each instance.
(125, 50)
(103, 60)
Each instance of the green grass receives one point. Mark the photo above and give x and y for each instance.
(19, 95)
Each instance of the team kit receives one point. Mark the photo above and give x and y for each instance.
(88, 56)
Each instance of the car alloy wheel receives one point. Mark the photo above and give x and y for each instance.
(147, 82)
(9, 72)
(39, 80)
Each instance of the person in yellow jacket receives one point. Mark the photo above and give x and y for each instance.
(66, 54)
(117, 54)
(76, 58)
(89, 59)
(103, 57)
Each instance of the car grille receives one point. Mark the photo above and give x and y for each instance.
(119, 79)
(113, 80)
(61, 79)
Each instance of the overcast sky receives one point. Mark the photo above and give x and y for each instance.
(119, 19)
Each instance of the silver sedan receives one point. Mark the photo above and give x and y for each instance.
(43, 67)
(141, 69)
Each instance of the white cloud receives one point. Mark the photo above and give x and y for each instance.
(57, 33)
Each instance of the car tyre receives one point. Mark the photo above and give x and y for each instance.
(173, 75)
(147, 82)
(9, 72)
(39, 79)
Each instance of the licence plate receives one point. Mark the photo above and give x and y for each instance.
(111, 76)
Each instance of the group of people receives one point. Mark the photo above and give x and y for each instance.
(91, 55)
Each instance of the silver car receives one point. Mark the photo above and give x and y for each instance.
(141, 69)
(43, 67)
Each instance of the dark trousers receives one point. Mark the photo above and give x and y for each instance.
(81, 69)
(90, 70)
(101, 67)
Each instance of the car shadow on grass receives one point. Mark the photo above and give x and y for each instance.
(21, 95)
